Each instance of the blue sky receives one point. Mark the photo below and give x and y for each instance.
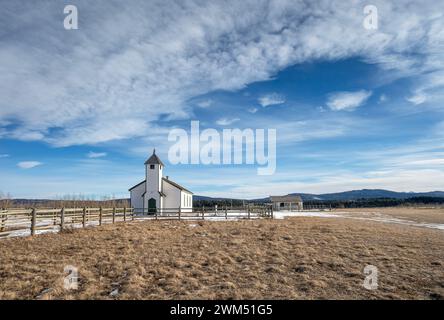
(353, 108)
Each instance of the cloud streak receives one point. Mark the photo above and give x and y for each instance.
(118, 74)
(347, 101)
(28, 164)
(94, 155)
(226, 121)
(271, 99)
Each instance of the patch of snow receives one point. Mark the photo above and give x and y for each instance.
(369, 216)
(114, 293)
(386, 219)
(286, 214)
(234, 216)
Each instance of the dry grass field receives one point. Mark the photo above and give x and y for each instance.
(296, 258)
(420, 215)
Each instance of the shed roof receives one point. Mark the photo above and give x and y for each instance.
(287, 198)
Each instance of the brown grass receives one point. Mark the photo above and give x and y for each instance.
(299, 258)
(427, 215)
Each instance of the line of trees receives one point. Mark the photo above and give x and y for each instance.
(334, 204)
(378, 202)
(67, 201)
(80, 201)
(221, 203)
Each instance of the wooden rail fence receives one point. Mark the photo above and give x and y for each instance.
(23, 222)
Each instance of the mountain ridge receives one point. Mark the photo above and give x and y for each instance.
(350, 195)
(335, 196)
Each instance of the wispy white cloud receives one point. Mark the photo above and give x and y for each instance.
(252, 110)
(4, 155)
(28, 164)
(417, 98)
(245, 184)
(205, 103)
(429, 86)
(92, 154)
(271, 99)
(347, 101)
(150, 58)
(226, 121)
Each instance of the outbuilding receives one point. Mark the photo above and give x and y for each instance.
(289, 202)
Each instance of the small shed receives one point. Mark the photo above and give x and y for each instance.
(287, 203)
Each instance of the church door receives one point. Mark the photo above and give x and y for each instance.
(151, 206)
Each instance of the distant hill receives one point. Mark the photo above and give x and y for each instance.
(204, 198)
(364, 194)
(356, 195)
(369, 194)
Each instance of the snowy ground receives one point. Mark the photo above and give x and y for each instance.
(25, 224)
(233, 216)
(374, 217)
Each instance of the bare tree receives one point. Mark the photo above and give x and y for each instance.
(67, 201)
(5, 200)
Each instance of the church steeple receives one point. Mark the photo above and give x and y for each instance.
(154, 174)
(154, 159)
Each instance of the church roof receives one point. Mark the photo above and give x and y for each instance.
(154, 159)
(137, 185)
(176, 185)
(166, 180)
(160, 193)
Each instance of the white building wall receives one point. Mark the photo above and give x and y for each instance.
(186, 201)
(136, 197)
(175, 198)
(153, 184)
(172, 199)
(293, 206)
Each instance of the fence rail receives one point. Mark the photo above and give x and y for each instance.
(24, 222)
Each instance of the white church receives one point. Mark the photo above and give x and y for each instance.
(158, 193)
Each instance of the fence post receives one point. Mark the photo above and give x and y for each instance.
(114, 214)
(54, 217)
(124, 214)
(100, 216)
(84, 217)
(33, 221)
(3, 222)
(62, 218)
(180, 211)
(203, 212)
(226, 213)
(272, 215)
(132, 214)
(248, 211)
